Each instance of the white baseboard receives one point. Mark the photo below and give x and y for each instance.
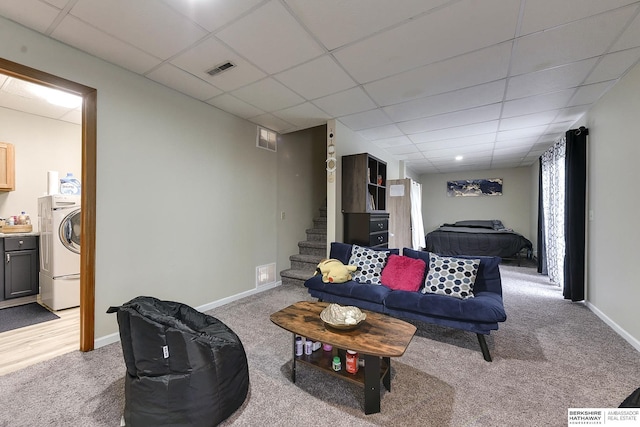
(115, 337)
(619, 330)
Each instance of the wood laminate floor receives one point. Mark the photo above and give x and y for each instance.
(26, 346)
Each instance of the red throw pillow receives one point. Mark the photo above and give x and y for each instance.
(403, 273)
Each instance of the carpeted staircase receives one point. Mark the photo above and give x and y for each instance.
(311, 251)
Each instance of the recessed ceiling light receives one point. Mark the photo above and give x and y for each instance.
(458, 158)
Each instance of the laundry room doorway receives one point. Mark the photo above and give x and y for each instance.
(88, 179)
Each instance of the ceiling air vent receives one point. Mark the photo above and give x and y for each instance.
(220, 68)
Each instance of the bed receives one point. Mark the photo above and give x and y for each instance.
(478, 237)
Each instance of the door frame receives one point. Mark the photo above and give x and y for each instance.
(88, 215)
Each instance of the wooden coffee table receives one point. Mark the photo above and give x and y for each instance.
(378, 338)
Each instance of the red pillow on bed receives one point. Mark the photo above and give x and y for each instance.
(403, 273)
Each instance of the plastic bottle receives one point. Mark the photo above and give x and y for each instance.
(298, 346)
(308, 346)
(351, 362)
(337, 366)
(69, 185)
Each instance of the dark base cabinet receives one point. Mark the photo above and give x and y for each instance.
(367, 229)
(21, 265)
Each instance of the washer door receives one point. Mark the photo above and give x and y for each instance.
(69, 231)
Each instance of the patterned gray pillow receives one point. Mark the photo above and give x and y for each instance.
(451, 276)
(369, 262)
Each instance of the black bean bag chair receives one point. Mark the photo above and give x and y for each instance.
(184, 368)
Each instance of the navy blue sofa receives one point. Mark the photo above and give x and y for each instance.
(480, 314)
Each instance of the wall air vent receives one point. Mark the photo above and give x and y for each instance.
(265, 275)
(267, 139)
(220, 68)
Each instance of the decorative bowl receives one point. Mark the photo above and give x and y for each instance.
(339, 317)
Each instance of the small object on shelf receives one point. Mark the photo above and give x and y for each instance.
(327, 347)
(316, 345)
(337, 366)
(308, 346)
(351, 362)
(299, 346)
(379, 179)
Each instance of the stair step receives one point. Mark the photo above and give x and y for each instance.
(295, 277)
(317, 235)
(305, 262)
(313, 247)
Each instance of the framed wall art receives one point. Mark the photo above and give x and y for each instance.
(475, 187)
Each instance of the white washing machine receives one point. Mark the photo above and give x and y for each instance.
(59, 225)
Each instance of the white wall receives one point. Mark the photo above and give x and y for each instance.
(613, 234)
(41, 145)
(513, 208)
(178, 215)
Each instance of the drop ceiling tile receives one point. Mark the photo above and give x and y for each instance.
(549, 80)
(571, 114)
(522, 132)
(211, 53)
(347, 102)
(451, 120)
(60, 4)
(303, 116)
(365, 120)
(631, 36)
(431, 38)
(146, 24)
(184, 82)
(30, 13)
(589, 93)
(338, 22)
(520, 142)
(568, 43)
(268, 95)
(511, 152)
(212, 15)
(235, 106)
(409, 156)
(461, 99)
(397, 150)
(74, 116)
(279, 43)
(458, 132)
(558, 129)
(528, 120)
(380, 132)
(537, 15)
(487, 138)
(393, 141)
(488, 64)
(93, 41)
(271, 122)
(535, 104)
(613, 65)
(316, 78)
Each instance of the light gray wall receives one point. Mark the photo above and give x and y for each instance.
(613, 234)
(302, 188)
(179, 216)
(513, 208)
(41, 145)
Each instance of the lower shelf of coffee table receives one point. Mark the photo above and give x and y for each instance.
(323, 360)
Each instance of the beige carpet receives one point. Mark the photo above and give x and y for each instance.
(550, 355)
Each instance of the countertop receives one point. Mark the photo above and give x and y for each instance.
(31, 233)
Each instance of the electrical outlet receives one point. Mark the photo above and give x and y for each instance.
(282, 215)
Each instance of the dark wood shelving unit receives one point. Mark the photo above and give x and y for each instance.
(364, 194)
